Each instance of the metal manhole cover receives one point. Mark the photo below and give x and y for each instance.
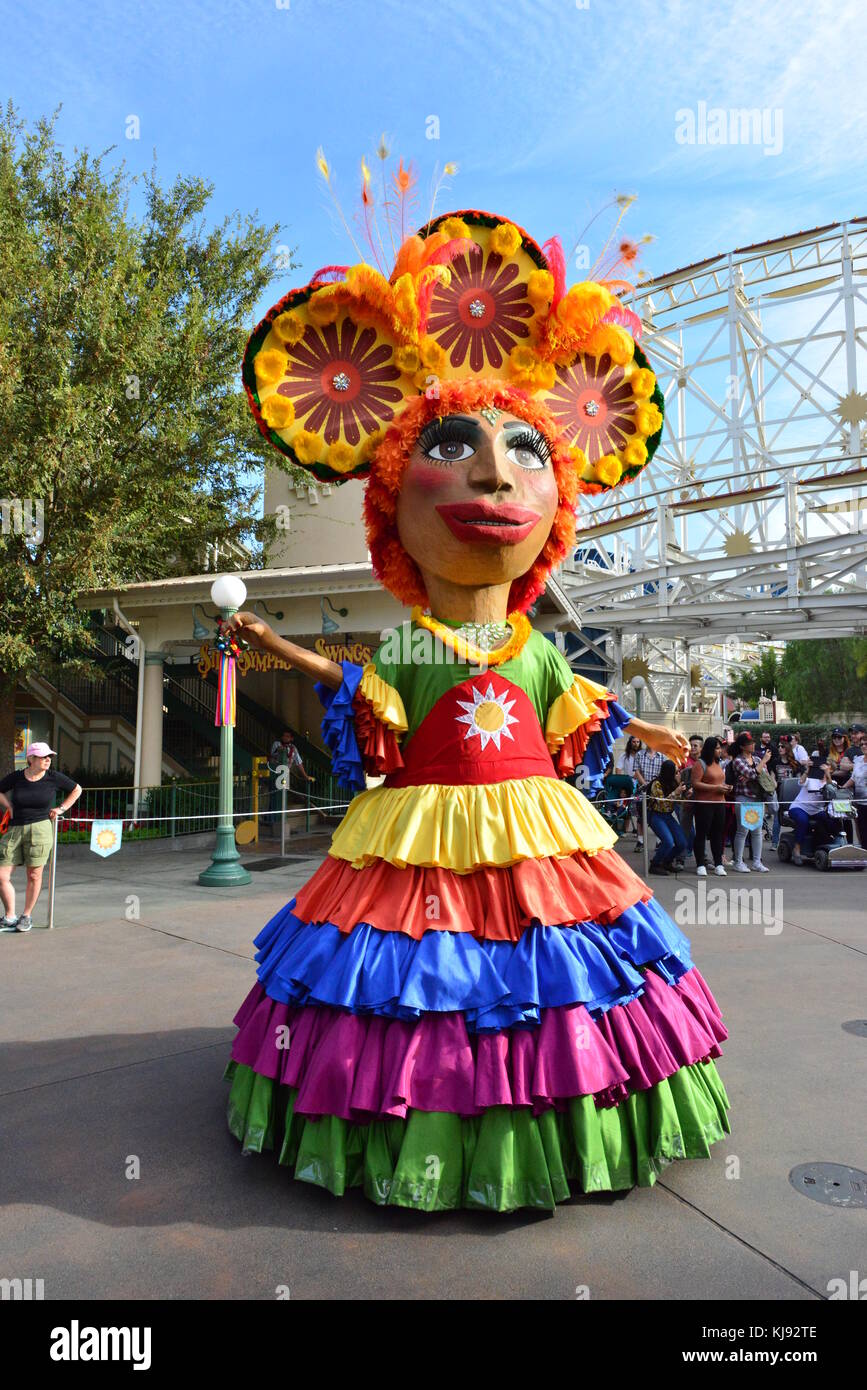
(858, 1026)
(831, 1183)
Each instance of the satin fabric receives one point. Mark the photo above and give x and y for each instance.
(338, 728)
(495, 984)
(576, 706)
(448, 750)
(359, 1067)
(501, 1160)
(463, 828)
(497, 904)
(383, 699)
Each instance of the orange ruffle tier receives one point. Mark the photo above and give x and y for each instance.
(494, 904)
(571, 752)
(377, 744)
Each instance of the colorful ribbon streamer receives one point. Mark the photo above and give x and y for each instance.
(229, 647)
(225, 712)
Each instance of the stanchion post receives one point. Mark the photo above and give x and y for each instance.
(283, 820)
(52, 876)
(646, 836)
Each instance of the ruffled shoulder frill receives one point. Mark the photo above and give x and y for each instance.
(582, 726)
(338, 727)
(363, 719)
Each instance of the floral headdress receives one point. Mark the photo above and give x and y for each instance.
(470, 297)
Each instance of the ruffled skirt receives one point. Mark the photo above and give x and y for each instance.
(486, 1039)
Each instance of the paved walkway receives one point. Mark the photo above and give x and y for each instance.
(115, 1028)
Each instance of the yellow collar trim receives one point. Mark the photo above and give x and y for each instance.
(519, 623)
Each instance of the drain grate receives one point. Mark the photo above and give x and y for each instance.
(858, 1026)
(831, 1183)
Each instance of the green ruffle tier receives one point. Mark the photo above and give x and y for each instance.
(498, 1161)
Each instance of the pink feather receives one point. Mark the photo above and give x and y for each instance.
(619, 314)
(329, 273)
(458, 246)
(553, 253)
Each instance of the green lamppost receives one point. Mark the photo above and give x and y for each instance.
(226, 870)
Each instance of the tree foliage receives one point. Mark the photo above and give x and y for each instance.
(121, 412)
(762, 678)
(821, 676)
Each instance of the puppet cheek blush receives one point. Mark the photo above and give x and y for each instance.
(427, 477)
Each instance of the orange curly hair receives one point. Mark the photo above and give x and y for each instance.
(393, 567)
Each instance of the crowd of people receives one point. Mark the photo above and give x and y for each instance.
(697, 809)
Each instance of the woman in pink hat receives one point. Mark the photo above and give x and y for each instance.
(30, 795)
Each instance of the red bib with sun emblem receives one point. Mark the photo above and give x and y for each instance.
(483, 730)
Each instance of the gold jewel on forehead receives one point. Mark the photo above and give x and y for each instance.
(491, 414)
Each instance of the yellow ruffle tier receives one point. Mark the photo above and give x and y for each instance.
(465, 827)
(570, 710)
(385, 700)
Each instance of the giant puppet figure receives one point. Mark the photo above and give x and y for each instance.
(473, 1002)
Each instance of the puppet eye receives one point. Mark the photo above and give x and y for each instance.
(525, 456)
(450, 451)
(530, 449)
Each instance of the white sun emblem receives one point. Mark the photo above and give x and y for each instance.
(488, 716)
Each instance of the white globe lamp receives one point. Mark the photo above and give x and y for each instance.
(228, 592)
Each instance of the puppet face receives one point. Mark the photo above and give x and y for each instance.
(478, 498)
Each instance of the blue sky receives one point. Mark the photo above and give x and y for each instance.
(548, 107)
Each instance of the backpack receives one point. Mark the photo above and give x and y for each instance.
(730, 773)
(767, 784)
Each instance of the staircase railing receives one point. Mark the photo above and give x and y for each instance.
(193, 700)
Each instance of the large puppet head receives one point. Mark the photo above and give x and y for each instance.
(475, 393)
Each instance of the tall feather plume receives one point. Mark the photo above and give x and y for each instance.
(325, 170)
(404, 183)
(553, 253)
(368, 214)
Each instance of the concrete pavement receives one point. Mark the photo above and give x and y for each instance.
(115, 1028)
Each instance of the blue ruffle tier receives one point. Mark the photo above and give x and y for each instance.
(495, 984)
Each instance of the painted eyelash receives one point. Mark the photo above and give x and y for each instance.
(443, 430)
(532, 439)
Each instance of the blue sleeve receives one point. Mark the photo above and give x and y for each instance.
(599, 745)
(338, 728)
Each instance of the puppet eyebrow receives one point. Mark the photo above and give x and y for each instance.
(451, 428)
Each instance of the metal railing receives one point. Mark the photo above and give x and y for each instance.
(186, 808)
(178, 808)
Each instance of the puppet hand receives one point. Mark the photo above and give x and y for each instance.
(668, 743)
(253, 630)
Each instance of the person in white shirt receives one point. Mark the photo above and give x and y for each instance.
(626, 761)
(858, 783)
(810, 801)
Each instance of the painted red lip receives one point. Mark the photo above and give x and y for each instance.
(483, 521)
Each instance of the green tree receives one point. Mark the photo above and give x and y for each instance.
(126, 437)
(761, 678)
(820, 676)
